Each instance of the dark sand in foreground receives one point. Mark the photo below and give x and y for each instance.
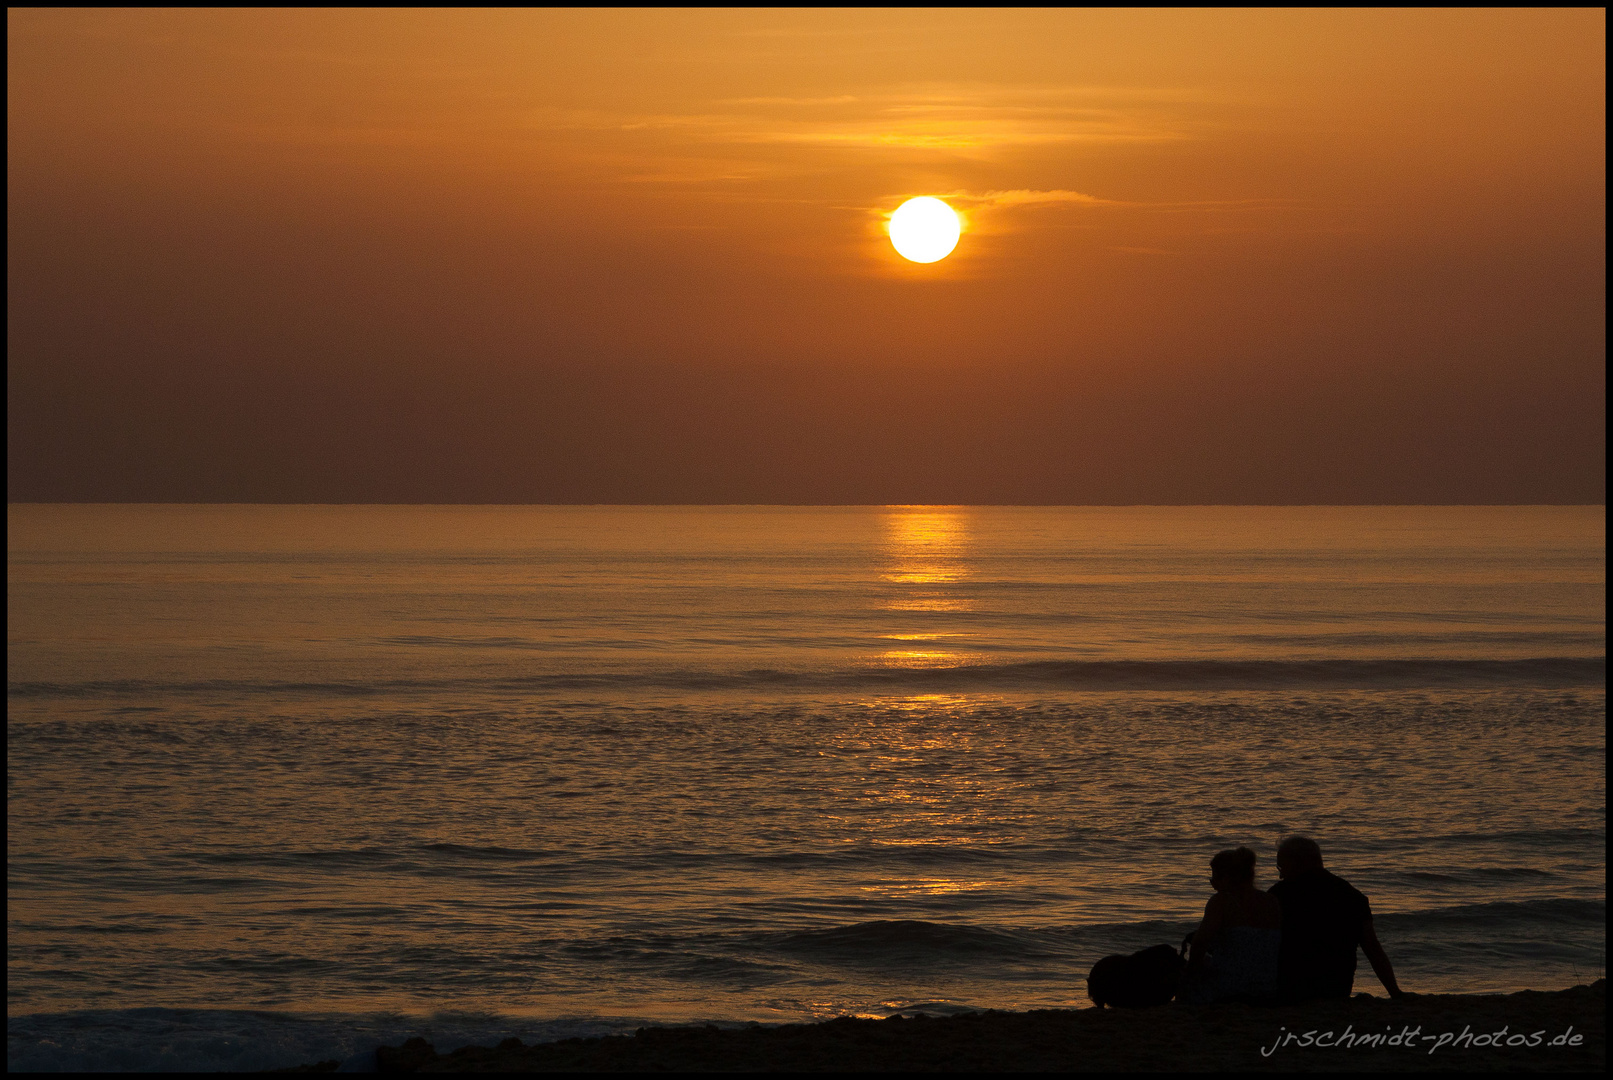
(1541, 1026)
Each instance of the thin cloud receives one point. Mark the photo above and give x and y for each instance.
(996, 212)
(843, 99)
(1027, 197)
(929, 117)
(725, 141)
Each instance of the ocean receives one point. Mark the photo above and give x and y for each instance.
(286, 782)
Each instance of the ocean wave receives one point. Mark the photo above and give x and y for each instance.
(484, 853)
(1525, 836)
(1545, 943)
(1478, 873)
(976, 939)
(339, 859)
(1543, 672)
(884, 940)
(899, 944)
(1502, 915)
(241, 1040)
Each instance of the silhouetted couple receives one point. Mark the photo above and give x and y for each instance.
(1295, 942)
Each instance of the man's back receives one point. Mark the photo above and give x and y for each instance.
(1324, 917)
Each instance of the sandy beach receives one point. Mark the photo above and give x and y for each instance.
(1551, 1031)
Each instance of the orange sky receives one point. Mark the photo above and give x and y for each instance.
(601, 256)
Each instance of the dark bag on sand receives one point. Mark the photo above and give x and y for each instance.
(1138, 981)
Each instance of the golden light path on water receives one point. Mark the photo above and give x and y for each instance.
(927, 553)
(927, 549)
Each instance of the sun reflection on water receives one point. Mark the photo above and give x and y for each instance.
(914, 658)
(928, 887)
(930, 603)
(926, 545)
(927, 550)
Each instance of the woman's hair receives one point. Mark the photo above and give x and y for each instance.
(1235, 865)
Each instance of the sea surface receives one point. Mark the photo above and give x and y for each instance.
(284, 782)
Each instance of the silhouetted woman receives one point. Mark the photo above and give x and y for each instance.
(1234, 950)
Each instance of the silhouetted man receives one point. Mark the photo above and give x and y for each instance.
(1325, 918)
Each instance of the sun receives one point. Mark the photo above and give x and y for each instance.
(924, 230)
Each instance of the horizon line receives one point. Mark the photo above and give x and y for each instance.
(1049, 505)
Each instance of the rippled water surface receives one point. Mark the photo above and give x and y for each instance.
(279, 777)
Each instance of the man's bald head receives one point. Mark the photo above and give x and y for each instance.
(1298, 854)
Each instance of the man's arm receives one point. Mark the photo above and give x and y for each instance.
(1379, 959)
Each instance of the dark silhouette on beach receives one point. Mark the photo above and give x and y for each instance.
(1324, 920)
(1139, 981)
(1234, 951)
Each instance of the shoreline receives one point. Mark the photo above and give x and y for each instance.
(1539, 1031)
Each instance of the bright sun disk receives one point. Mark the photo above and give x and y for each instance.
(924, 230)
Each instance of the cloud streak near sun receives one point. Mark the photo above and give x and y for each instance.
(945, 118)
(1026, 197)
